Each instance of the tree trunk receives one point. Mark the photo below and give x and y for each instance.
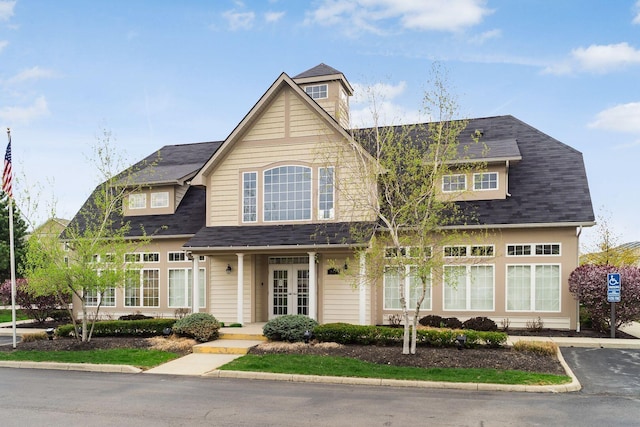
(405, 338)
(414, 334)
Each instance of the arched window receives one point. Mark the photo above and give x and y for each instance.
(287, 193)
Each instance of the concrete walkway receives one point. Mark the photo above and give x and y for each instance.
(235, 342)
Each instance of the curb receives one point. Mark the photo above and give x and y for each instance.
(87, 367)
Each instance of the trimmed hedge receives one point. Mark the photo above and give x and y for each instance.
(344, 333)
(122, 328)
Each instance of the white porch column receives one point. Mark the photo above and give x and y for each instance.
(362, 288)
(313, 291)
(240, 302)
(195, 289)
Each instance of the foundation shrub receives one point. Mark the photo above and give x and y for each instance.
(202, 327)
(122, 328)
(289, 328)
(480, 324)
(435, 321)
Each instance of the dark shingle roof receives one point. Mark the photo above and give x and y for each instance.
(319, 70)
(282, 235)
(172, 163)
(548, 186)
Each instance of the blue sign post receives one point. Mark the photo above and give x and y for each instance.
(614, 287)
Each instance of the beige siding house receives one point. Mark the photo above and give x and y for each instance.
(260, 220)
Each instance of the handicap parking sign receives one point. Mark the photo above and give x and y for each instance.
(614, 285)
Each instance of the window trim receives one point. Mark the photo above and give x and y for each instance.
(532, 249)
(407, 286)
(319, 91)
(332, 210)
(154, 201)
(468, 288)
(137, 197)
(172, 254)
(141, 288)
(532, 289)
(307, 169)
(255, 197)
(457, 184)
(480, 176)
(202, 275)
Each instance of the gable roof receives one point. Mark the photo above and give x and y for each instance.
(283, 81)
(172, 164)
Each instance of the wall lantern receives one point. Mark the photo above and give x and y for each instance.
(228, 270)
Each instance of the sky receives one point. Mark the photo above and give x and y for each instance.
(157, 72)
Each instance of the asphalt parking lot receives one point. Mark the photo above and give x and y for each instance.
(605, 370)
(7, 340)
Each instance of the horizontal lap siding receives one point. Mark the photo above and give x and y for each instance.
(223, 290)
(271, 123)
(340, 300)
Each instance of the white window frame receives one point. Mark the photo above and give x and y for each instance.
(328, 212)
(247, 215)
(490, 248)
(202, 272)
(463, 248)
(479, 181)
(456, 183)
(176, 256)
(141, 288)
(316, 91)
(160, 199)
(533, 249)
(411, 290)
(151, 257)
(307, 195)
(468, 290)
(533, 289)
(137, 201)
(100, 299)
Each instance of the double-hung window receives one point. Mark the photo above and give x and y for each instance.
(287, 193)
(469, 287)
(533, 287)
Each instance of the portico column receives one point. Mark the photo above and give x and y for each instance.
(240, 302)
(362, 288)
(313, 308)
(195, 289)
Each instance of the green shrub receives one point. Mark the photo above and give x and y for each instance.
(202, 327)
(122, 328)
(435, 321)
(344, 333)
(289, 328)
(480, 324)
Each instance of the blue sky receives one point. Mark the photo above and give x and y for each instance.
(163, 72)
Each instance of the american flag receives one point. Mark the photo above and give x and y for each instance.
(7, 174)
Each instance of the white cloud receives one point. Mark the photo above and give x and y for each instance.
(636, 19)
(3, 44)
(6, 10)
(34, 73)
(418, 15)
(487, 35)
(621, 118)
(25, 114)
(377, 100)
(239, 20)
(273, 16)
(598, 59)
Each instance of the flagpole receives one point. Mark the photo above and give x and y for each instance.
(11, 244)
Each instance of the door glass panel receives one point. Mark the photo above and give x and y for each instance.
(303, 292)
(280, 292)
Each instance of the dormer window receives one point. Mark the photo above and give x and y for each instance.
(317, 91)
(137, 201)
(485, 181)
(160, 200)
(452, 183)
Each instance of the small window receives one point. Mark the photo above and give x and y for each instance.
(151, 257)
(131, 257)
(176, 256)
(249, 197)
(160, 200)
(482, 251)
(452, 183)
(455, 251)
(485, 181)
(317, 91)
(137, 201)
(325, 193)
(518, 250)
(548, 249)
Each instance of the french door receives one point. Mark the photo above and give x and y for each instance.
(288, 290)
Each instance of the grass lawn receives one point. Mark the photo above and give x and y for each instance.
(140, 358)
(347, 367)
(5, 315)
